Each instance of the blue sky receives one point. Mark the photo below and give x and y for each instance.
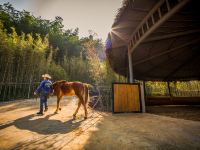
(96, 15)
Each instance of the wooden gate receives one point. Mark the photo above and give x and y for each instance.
(126, 97)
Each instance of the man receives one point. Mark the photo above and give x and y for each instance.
(44, 90)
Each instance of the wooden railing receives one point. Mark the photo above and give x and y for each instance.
(162, 11)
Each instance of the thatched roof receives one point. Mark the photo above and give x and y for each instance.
(171, 52)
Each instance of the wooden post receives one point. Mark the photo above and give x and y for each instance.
(130, 67)
(142, 97)
(29, 88)
(170, 94)
(144, 90)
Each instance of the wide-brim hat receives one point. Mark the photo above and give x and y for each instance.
(46, 76)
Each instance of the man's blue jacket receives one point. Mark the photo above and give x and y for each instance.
(45, 87)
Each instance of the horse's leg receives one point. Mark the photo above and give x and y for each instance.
(84, 105)
(79, 104)
(86, 100)
(59, 108)
(85, 110)
(58, 104)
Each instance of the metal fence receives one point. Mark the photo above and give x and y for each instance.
(100, 97)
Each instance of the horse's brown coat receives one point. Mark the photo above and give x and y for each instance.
(62, 88)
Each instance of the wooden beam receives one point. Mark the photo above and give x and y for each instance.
(168, 6)
(172, 35)
(159, 12)
(185, 63)
(162, 63)
(142, 97)
(169, 89)
(164, 17)
(140, 9)
(166, 52)
(130, 67)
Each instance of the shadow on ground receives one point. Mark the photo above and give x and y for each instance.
(187, 112)
(33, 103)
(101, 130)
(43, 125)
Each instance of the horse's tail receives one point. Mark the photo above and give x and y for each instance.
(86, 88)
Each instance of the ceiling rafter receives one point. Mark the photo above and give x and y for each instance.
(172, 35)
(137, 38)
(166, 52)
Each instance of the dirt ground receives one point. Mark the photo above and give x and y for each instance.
(21, 129)
(187, 112)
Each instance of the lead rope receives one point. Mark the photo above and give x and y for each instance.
(99, 98)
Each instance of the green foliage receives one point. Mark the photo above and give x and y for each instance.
(77, 69)
(189, 88)
(99, 71)
(30, 47)
(57, 72)
(20, 57)
(67, 42)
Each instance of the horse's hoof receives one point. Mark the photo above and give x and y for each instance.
(59, 108)
(56, 112)
(74, 117)
(85, 117)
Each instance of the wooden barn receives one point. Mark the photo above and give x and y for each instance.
(157, 40)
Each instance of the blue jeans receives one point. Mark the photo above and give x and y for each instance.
(43, 102)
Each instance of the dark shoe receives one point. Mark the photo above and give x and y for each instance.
(46, 109)
(40, 113)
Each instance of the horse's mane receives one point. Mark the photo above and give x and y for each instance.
(60, 81)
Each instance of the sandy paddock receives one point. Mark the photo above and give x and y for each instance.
(21, 129)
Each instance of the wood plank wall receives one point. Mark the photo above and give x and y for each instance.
(126, 98)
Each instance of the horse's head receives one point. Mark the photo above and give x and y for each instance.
(56, 86)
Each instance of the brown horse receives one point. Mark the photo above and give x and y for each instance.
(64, 88)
